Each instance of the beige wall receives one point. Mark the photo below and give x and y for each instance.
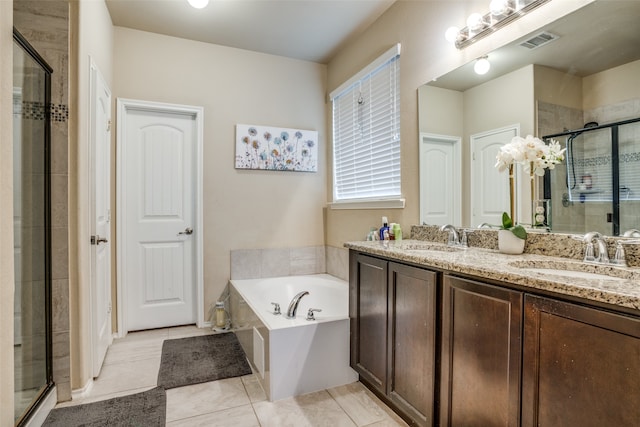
(441, 111)
(92, 37)
(242, 209)
(557, 87)
(612, 86)
(6, 213)
(419, 26)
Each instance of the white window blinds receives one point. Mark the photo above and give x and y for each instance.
(366, 132)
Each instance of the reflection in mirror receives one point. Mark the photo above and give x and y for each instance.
(598, 186)
(588, 73)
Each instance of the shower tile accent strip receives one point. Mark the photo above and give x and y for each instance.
(31, 110)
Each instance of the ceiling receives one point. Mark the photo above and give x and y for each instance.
(311, 30)
(597, 37)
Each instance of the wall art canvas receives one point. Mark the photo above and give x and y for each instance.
(278, 149)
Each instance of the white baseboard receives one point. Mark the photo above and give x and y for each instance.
(83, 392)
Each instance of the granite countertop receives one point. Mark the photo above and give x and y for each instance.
(622, 290)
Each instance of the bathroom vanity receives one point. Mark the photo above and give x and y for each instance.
(452, 337)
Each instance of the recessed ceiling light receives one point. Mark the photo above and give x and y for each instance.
(198, 4)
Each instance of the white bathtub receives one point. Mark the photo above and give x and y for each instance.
(294, 356)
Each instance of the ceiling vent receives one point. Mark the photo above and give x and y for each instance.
(539, 40)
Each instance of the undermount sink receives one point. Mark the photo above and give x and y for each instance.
(576, 270)
(430, 247)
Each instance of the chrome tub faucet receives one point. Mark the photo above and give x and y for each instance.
(293, 305)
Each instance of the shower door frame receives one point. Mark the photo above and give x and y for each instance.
(48, 386)
(615, 166)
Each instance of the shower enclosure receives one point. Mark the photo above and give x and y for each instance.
(597, 188)
(32, 236)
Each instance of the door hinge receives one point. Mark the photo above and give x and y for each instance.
(109, 308)
(108, 125)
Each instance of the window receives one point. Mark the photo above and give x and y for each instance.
(366, 133)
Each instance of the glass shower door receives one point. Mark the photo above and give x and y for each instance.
(31, 213)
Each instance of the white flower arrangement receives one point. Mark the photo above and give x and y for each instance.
(532, 153)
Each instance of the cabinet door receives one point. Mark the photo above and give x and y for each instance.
(481, 354)
(412, 334)
(368, 313)
(581, 366)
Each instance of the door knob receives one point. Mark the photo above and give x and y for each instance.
(187, 231)
(96, 240)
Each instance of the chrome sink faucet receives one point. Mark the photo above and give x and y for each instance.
(603, 254)
(293, 305)
(454, 236)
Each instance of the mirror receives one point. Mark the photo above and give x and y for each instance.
(589, 73)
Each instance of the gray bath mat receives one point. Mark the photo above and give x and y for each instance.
(201, 359)
(148, 408)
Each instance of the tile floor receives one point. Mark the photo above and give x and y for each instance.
(132, 365)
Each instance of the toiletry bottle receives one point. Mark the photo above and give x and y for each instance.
(392, 236)
(373, 234)
(385, 227)
(397, 231)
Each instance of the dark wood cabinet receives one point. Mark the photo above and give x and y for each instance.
(368, 313)
(393, 334)
(581, 366)
(481, 354)
(412, 337)
(445, 350)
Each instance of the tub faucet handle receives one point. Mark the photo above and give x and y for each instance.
(310, 315)
(276, 308)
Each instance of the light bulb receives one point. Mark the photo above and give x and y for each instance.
(451, 34)
(475, 22)
(482, 66)
(499, 7)
(198, 4)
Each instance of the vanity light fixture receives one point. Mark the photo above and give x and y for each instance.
(198, 4)
(501, 13)
(482, 65)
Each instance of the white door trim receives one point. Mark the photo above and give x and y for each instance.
(456, 141)
(124, 105)
(516, 172)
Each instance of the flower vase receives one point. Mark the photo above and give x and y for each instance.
(509, 243)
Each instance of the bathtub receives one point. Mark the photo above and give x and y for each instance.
(294, 356)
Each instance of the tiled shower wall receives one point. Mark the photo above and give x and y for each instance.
(45, 24)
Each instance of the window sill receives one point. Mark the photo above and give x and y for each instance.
(369, 204)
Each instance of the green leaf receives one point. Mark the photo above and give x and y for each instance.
(519, 232)
(507, 223)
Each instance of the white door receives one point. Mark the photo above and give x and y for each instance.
(440, 179)
(100, 132)
(159, 178)
(489, 188)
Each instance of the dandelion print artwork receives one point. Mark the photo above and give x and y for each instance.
(264, 147)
